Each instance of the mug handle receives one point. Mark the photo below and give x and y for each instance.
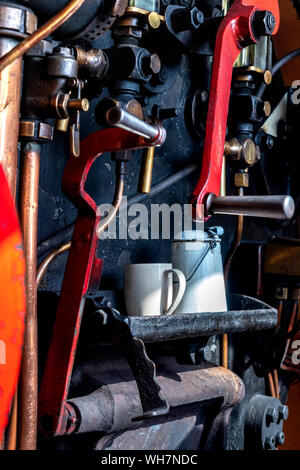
(181, 289)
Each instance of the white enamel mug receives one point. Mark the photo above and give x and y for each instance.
(148, 289)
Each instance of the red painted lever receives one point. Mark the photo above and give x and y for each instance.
(235, 32)
(82, 275)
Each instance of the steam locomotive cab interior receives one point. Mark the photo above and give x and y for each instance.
(149, 225)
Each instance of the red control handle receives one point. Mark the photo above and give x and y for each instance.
(83, 270)
(12, 299)
(234, 34)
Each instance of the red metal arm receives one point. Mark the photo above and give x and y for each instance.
(82, 275)
(234, 34)
(12, 299)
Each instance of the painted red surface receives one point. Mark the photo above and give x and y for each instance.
(233, 35)
(12, 300)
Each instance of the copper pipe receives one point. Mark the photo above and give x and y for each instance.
(12, 432)
(10, 91)
(235, 245)
(119, 191)
(225, 350)
(48, 28)
(271, 385)
(276, 383)
(28, 214)
(49, 259)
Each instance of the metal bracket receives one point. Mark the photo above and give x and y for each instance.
(142, 367)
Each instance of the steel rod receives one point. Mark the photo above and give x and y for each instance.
(271, 207)
(118, 117)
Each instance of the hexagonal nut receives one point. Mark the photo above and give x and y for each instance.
(269, 443)
(151, 64)
(280, 438)
(263, 23)
(196, 18)
(241, 180)
(272, 415)
(283, 412)
(59, 104)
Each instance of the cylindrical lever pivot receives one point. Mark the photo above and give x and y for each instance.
(270, 207)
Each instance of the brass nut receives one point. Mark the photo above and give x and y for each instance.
(282, 293)
(62, 124)
(241, 180)
(59, 104)
(35, 130)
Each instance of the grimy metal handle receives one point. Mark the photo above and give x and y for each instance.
(270, 207)
(118, 117)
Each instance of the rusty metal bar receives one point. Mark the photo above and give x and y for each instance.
(113, 407)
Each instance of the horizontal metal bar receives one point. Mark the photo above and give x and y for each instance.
(270, 207)
(245, 315)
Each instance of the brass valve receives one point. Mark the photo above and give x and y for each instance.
(242, 153)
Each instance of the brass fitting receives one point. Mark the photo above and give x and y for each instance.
(282, 293)
(241, 179)
(296, 293)
(244, 152)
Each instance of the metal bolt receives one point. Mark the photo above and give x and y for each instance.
(269, 142)
(263, 23)
(197, 18)
(283, 412)
(184, 19)
(280, 438)
(79, 104)
(272, 415)
(151, 64)
(168, 113)
(270, 443)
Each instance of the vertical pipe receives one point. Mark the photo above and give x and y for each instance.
(28, 213)
(234, 247)
(10, 91)
(12, 432)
